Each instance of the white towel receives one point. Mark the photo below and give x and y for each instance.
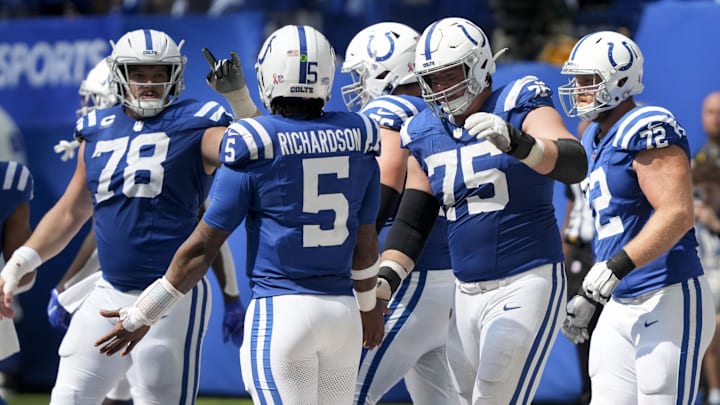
(9, 343)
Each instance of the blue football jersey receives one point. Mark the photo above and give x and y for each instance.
(17, 189)
(501, 218)
(303, 187)
(620, 208)
(147, 182)
(391, 112)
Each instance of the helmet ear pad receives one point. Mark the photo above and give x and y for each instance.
(602, 96)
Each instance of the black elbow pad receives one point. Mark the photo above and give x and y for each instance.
(571, 165)
(414, 220)
(388, 204)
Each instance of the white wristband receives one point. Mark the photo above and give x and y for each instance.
(536, 154)
(23, 260)
(241, 103)
(154, 302)
(366, 299)
(231, 284)
(384, 292)
(366, 273)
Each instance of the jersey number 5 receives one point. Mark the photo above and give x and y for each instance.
(151, 164)
(314, 202)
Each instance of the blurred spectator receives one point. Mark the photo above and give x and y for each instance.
(711, 126)
(706, 179)
(526, 26)
(614, 15)
(12, 146)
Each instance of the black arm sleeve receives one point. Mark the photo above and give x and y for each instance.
(388, 204)
(414, 221)
(571, 166)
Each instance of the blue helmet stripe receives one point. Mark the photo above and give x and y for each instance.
(148, 40)
(467, 34)
(303, 54)
(577, 46)
(427, 40)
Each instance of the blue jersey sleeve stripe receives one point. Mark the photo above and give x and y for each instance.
(243, 133)
(269, 151)
(512, 97)
(632, 124)
(9, 175)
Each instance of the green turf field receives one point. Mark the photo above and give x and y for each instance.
(44, 399)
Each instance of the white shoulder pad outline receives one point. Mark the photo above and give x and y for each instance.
(255, 137)
(398, 106)
(23, 180)
(372, 131)
(631, 124)
(518, 85)
(212, 110)
(405, 138)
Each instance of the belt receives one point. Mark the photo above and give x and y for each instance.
(479, 287)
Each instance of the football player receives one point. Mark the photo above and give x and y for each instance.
(380, 59)
(489, 157)
(306, 184)
(658, 319)
(143, 172)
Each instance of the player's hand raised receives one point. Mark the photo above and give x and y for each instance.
(67, 149)
(226, 75)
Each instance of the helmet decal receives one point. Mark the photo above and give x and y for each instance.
(267, 48)
(627, 65)
(389, 53)
(467, 34)
(378, 59)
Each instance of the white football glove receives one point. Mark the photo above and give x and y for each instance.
(489, 126)
(600, 282)
(580, 311)
(67, 148)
